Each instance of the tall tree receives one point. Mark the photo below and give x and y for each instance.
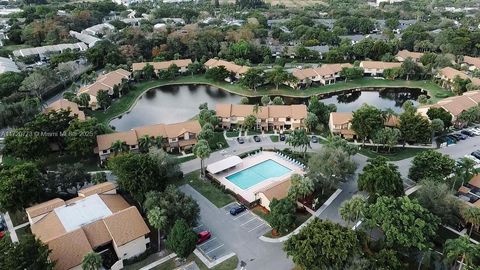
(460, 249)
(157, 217)
(250, 122)
(311, 121)
(366, 121)
(472, 216)
(322, 245)
(282, 214)
(442, 114)
(265, 100)
(202, 151)
(103, 99)
(431, 164)
(439, 200)
(92, 261)
(380, 178)
(277, 76)
(301, 187)
(29, 253)
(353, 209)
(404, 222)
(299, 138)
(181, 239)
(253, 78)
(144, 143)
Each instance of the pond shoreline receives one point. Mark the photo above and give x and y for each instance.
(321, 92)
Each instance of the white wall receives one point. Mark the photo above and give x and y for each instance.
(132, 248)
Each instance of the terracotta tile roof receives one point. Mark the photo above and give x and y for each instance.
(379, 65)
(105, 82)
(456, 105)
(230, 66)
(114, 202)
(181, 63)
(473, 61)
(464, 189)
(474, 95)
(69, 249)
(277, 190)
(45, 207)
(475, 181)
(404, 54)
(97, 233)
(392, 121)
(48, 227)
(97, 189)
(105, 141)
(122, 234)
(178, 129)
(63, 104)
(326, 70)
(450, 73)
(341, 118)
(278, 111)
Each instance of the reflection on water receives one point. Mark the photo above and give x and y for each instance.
(176, 103)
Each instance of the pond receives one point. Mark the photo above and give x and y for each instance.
(177, 103)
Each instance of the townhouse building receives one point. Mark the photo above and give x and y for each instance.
(237, 71)
(376, 68)
(182, 65)
(322, 75)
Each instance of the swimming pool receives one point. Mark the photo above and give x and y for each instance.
(255, 174)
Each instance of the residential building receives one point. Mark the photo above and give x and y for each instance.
(473, 63)
(99, 29)
(376, 68)
(7, 65)
(44, 51)
(454, 105)
(63, 104)
(237, 71)
(469, 192)
(323, 75)
(182, 64)
(178, 136)
(106, 82)
(404, 54)
(97, 220)
(340, 123)
(448, 74)
(87, 39)
(271, 117)
(276, 190)
(354, 39)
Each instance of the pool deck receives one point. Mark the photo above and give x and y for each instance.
(250, 194)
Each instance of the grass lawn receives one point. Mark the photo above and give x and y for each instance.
(210, 191)
(18, 217)
(186, 158)
(232, 134)
(229, 264)
(23, 231)
(301, 217)
(396, 154)
(274, 138)
(51, 161)
(125, 103)
(10, 161)
(218, 141)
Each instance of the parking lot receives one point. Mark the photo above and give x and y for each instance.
(213, 248)
(248, 222)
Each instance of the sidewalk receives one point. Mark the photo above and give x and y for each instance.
(11, 229)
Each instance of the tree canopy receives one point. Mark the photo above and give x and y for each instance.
(431, 164)
(380, 178)
(182, 239)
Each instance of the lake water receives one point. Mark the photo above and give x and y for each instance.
(177, 103)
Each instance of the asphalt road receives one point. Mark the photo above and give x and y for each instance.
(239, 236)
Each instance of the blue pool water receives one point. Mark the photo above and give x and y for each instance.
(251, 176)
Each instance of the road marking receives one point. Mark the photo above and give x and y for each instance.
(257, 227)
(249, 221)
(208, 241)
(198, 226)
(241, 215)
(215, 249)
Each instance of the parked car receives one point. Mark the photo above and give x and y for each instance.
(282, 137)
(2, 234)
(256, 138)
(240, 140)
(237, 210)
(468, 133)
(459, 136)
(474, 131)
(203, 236)
(3, 224)
(476, 154)
(476, 160)
(314, 139)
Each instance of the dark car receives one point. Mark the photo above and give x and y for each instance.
(237, 210)
(476, 154)
(314, 139)
(240, 140)
(468, 133)
(3, 224)
(256, 138)
(282, 137)
(461, 136)
(453, 138)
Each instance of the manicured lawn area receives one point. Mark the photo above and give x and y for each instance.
(18, 217)
(209, 190)
(274, 138)
(398, 153)
(301, 217)
(229, 264)
(124, 104)
(218, 141)
(232, 134)
(185, 159)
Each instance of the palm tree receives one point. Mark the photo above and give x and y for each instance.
(277, 76)
(299, 138)
(92, 261)
(158, 219)
(353, 209)
(144, 143)
(158, 142)
(301, 187)
(119, 146)
(460, 247)
(202, 151)
(471, 215)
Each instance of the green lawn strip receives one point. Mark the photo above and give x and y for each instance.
(11, 161)
(218, 141)
(21, 232)
(125, 102)
(18, 217)
(299, 220)
(229, 264)
(185, 158)
(150, 259)
(209, 190)
(232, 134)
(397, 154)
(274, 138)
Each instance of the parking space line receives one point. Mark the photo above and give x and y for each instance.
(198, 226)
(208, 241)
(215, 248)
(241, 215)
(257, 227)
(249, 221)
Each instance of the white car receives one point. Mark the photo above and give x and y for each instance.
(474, 131)
(476, 160)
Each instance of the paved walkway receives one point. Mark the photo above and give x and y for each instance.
(11, 228)
(157, 263)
